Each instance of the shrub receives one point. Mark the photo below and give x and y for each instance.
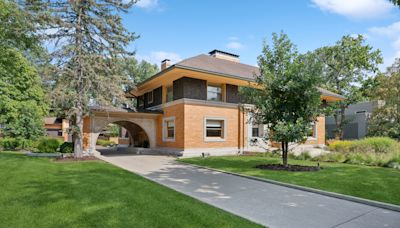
(67, 147)
(330, 157)
(48, 145)
(303, 156)
(105, 143)
(373, 144)
(16, 144)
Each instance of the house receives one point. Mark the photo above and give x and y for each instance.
(357, 117)
(193, 107)
(56, 128)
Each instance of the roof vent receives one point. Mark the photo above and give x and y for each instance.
(224, 55)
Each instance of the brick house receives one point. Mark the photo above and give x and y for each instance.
(193, 107)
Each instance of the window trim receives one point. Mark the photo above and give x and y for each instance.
(222, 91)
(148, 97)
(165, 137)
(215, 139)
(315, 131)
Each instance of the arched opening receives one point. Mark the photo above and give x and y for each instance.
(122, 136)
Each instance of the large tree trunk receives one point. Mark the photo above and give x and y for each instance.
(78, 134)
(284, 153)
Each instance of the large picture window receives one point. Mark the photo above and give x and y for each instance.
(214, 129)
(169, 129)
(214, 93)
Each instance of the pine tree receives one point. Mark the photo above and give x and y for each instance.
(86, 37)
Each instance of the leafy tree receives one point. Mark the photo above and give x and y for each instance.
(287, 99)
(136, 72)
(385, 120)
(17, 29)
(395, 2)
(88, 39)
(345, 66)
(22, 104)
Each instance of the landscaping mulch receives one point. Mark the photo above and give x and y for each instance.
(73, 159)
(292, 168)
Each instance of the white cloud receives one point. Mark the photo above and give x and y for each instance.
(234, 45)
(147, 4)
(392, 30)
(156, 57)
(391, 33)
(232, 38)
(358, 9)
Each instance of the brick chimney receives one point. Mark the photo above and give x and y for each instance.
(165, 64)
(224, 55)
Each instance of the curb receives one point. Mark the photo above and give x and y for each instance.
(368, 202)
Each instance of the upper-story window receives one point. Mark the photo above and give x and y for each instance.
(150, 97)
(170, 94)
(140, 102)
(214, 93)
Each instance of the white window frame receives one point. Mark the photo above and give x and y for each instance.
(315, 131)
(165, 129)
(148, 97)
(215, 139)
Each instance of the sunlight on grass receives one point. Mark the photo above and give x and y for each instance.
(375, 183)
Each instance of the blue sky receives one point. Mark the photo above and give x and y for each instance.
(178, 29)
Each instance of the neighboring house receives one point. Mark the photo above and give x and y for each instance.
(56, 128)
(357, 116)
(193, 107)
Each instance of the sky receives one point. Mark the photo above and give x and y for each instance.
(179, 29)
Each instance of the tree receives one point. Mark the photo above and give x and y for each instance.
(88, 38)
(136, 72)
(22, 104)
(287, 99)
(385, 120)
(395, 2)
(345, 66)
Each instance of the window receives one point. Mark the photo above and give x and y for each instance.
(170, 94)
(169, 129)
(313, 131)
(215, 129)
(255, 131)
(150, 97)
(214, 93)
(140, 101)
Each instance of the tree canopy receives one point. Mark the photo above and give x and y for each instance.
(345, 67)
(87, 38)
(288, 99)
(385, 120)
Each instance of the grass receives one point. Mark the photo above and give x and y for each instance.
(37, 192)
(375, 183)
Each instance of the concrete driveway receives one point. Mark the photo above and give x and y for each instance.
(263, 203)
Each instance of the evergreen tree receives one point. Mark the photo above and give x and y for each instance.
(87, 40)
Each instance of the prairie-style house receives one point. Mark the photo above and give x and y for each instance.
(193, 107)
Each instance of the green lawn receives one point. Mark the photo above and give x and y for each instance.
(37, 192)
(375, 183)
